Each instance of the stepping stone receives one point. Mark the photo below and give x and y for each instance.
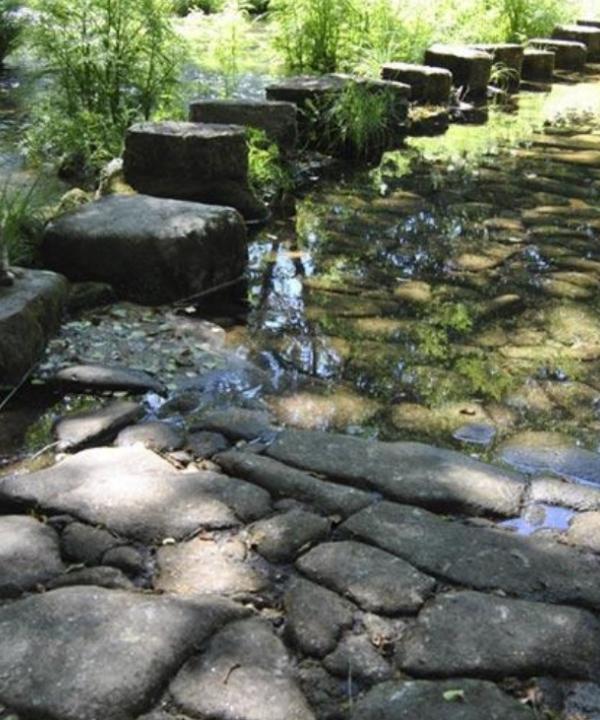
(235, 423)
(459, 699)
(375, 580)
(31, 310)
(585, 531)
(137, 494)
(316, 617)
(151, 250)
(92, 427)
(471, 69)
(281, 538)
(112, 651)
(553, 491)
(157, 436)
(428, 85)
(356, 657)
(200, 567)
(285, 482)
(589, 23)
(191, 161)
(508, 57)
(589, 36)
(29, 555)
(485, 558)
(475, 434)
(471, 634)
(545, 452)
(277, 119)
(407, 472)
(101, 378)
(245, 673)
(568, 55)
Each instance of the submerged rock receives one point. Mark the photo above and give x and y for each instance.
(151, 250)
(30, 311)
(102, 378)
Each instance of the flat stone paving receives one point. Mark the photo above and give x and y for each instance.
(288, 582)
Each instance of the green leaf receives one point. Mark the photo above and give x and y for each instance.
(454, 696)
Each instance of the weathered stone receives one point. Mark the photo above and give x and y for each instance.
(129, 559)
(509, 57)
(375, 580)
(323, 691)
(585, 531)
(459, 699)
(191, 161)
(279, 539)
(86, 544)
(137, 494)
(546, 452)
(553, 491)
(538, 65)
(480, 557)
(29, 554)
(276, 119)
(285, 482)
(316, 617)
(568, 55)
(475, 434)
(151, 250)
(89, 295)
(235, 423)
(589, 36)
(356, 657)
(428, 84)
(30, 311)
(111, 651)
(206, 444)
(407, 472)
(471, 69)
(93, 427)
(200, 567)
(245, 674)
(469, 633)
(106, 577)
(158, 436)
(102, 378)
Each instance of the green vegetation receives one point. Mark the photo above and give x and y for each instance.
(21, 223)
(10, 27)
(267, 170)
(110, 62)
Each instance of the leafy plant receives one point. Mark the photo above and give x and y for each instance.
(20, 223)
(267, 170)
(110, 62)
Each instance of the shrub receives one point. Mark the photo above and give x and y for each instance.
(20, 223)
(110, 62)
(524, 19)
(268, 172)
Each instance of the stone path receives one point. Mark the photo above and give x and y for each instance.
(305, 576)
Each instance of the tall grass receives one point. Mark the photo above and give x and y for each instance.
(20, 223)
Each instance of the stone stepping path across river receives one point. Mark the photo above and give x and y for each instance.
(301, 578)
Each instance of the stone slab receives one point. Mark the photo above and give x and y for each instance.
(85, 653)
(137, 494)
(471, 69)
(568, 55)
(588, 35)
(92, 427)
(407, 472)
(429, 85)
(538, 65)
(282, 537)
(277, 119)
(471, 634)
(509, 58)
(376, 581)
(479, 557)
(151, 250)
(30, 312)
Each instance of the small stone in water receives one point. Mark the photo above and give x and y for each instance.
(475, 433)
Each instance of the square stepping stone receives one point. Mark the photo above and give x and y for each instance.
(428, 85)
(470, 68)
(508, 57)
(151, 250)
(538, 65)
(30, 312)
(200, 162)
(589, 36)
(277, 119)
(568, 55)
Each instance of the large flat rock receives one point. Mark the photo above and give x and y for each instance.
(377, 581)
(538, 65)
(30, 311)
(460, 699)
(29, 554)
(245, 674)
(151, 250)
(471, 634)
(202, 162)
(428, 84)
(137, 494)
(87, 653)
(470, 68)
(91, 427)
(569, 55)
(278, 120)
(479, 557)
(407, 472)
